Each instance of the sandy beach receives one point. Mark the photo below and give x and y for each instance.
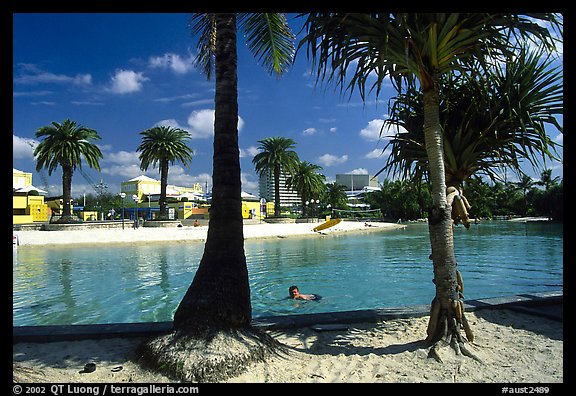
(514, 348)
(188, 233)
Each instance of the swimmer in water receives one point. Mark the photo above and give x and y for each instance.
(295, 294)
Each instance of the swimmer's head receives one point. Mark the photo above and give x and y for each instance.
(293, 291)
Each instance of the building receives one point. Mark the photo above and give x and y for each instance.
(356, 182)
(266, 189)
(148, 189)
(28, 204)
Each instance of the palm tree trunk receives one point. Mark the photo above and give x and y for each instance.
(277, 192)
(66, 192)
(163, 215)
(220, 294)
(212, 338)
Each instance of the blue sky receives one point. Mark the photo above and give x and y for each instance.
(121, 74)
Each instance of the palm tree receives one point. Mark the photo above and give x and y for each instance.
(336, 195)
(213, 337)
(546, 179)
(276, 157)
(417, 49)
(307, 182)
(163, 146)
(64, 145)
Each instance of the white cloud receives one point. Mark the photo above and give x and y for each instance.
(359, 171)
(377, 153)
(333, 129)
(33, 75)
(23, 147)
(122, 157)
(330, 159)
(309, 131)
(201, 123)
(249, 185)
(172, 62)
(249, 152)
(373, 131)
(126, 81)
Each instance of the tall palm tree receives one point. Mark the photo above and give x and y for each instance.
(418, 49)
(213, 338)
(163, 146)
(276, 157)
(307, 182)
(64, 145)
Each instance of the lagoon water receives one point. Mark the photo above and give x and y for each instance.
(145, 282)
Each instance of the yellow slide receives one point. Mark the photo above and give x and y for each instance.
(328, 224)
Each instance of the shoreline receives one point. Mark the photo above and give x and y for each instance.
(188, 233)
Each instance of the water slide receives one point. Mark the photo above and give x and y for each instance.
(327, 224)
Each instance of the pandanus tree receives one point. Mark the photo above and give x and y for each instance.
(163, 146)
(213, 337)
(418, 49)
(493, 120)
(65, 144)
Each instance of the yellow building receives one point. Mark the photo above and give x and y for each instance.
(27, 204)
(147, 188)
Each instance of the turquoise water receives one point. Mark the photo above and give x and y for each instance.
(145, 282)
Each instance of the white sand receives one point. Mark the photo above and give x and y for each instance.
(514, 348)
(150, 234)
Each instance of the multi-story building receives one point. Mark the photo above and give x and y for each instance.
(288, 198)
(356, 182)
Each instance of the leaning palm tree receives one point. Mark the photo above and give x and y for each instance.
(64, 145)
(276, 157)
(163, 146)
(307, 182)
(492, 120)
(213, 337)
(418, 49)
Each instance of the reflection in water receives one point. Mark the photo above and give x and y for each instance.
(145, 282)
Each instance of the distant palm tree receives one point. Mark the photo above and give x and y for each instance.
(307, 182)
(213, 338)
(525, 185)
(417, 49)
(276, 157)
(64, 145)
(336, 196)
(164, 146)
(546, 179)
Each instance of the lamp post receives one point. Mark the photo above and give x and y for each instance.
(307, 203)
(136, 220)
(122, 195)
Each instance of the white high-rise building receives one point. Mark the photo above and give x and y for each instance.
(266, 189)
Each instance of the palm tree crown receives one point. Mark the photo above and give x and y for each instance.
(64, 145)
(163, 146)
(276, 156)
(307, 182)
